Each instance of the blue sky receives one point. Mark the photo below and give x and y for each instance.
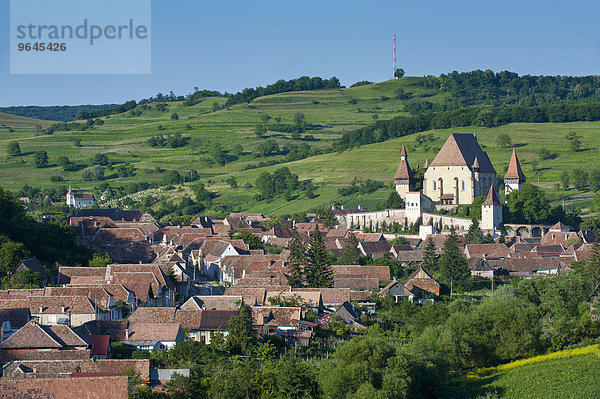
(227, 46)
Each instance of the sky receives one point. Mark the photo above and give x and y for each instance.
(228, 46)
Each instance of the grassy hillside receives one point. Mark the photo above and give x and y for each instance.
(329, 113)
(566, 374)
(8, 121)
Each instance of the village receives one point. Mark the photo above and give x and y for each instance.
(166, 284)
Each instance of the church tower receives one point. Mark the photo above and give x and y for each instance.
(403, 179)
(514, 178)
(491, 211)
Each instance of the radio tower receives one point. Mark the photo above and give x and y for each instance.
(394, 71)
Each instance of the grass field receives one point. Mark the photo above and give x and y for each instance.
(123, 137)
(567, 374)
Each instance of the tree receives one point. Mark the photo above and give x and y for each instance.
(503, 140)
(300, 122)
(330, 221)
(453, 265)
(99, 260)
(93, 174)
(430, 257)
(231, 180)
(394, 201)
(350, 252)
(11, 253)
(474, 235)
(399, 73)
(253, 241)
(580, 179)
(13, 149)
(296, 379)
(296, 260)
(565, 179)
(528, 205)
(66, 164)
(40, 159)
(260, 130)
(217, 154)
(237, 149)
(100, 159)
(594, 180)
(174, 116)
(318, 271)
(241, 336)
(575, 145)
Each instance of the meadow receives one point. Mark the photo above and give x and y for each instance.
(328, 113)
(571, 373)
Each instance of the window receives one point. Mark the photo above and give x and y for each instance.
(434, 187)
(463, 185)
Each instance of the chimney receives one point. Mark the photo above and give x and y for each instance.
(41, 309)
(63, 309)
(127, 334)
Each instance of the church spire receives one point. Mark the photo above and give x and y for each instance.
(514, 169)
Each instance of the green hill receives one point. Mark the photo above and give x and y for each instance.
(566, 374)
(327, 115)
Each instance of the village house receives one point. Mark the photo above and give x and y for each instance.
(213, 302)
(71, 310)
(397, 290)
(420, 282)
(35, 341)
(31, 265)
(11, 320)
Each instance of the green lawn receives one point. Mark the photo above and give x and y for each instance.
(559, 375)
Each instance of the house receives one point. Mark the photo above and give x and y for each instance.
(50, 310)
(213, 302)
(397, 290)
(35, 341)
(306, 299)
(32, 265)
(103, 301)
(11, 320)
(347, 314)
(214, 322)
(80, 200)
(270, 318)
(497, 251)
(375, 249)
(212, 253)
(250, 295)
(420, 282)
(536, 266)
(153, 335)
(100, 346)
(460, 172)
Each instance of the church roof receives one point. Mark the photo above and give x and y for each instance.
(514, 169)
(492, 197)
(403, 171)
(462, 150)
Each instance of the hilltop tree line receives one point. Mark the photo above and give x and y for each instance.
(64, 113)
(474, 116)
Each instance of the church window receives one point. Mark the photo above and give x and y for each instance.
(434, 187)
(463, 185)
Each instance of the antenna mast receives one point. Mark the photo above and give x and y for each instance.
(394, 71)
